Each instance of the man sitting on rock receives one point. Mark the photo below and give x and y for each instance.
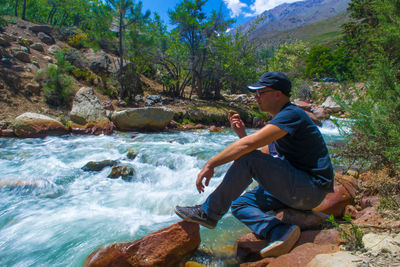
(298, 175)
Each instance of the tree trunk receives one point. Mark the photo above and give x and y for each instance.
(16, 8)
(24, 10)
(121, 55)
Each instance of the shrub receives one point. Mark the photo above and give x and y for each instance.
(58, 84)
(78, 40)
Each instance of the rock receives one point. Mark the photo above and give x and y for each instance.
(166, 247)
(320, 237)
(369, 201)
(194, 264)
(88, 115)
(7, 133)
(142, 118)
(341, 258)
(126, 172)
(214, 129)
(321, 113)
(5, 39)
(241, 98)
(48, 59)
(36, 125)
(303, 105)
(331, 104)
(131, 154)
(304, 219)
(24, 49)
(41, 28)
(99, 62)
(155, 98)
(343, 195)
(33, 87)
(38, 47)
(53, 49)
(74, 57)
(382, 242)
(302, 255)
(314, 118)
(95, 166)
(23, 56)
(45, 38)
(249, 246)
(261, 263)
(351, 210)
(18, 184)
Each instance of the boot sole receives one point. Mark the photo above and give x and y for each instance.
(188, 219)
(279, 248)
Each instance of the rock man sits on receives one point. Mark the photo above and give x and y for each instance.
(293, 169)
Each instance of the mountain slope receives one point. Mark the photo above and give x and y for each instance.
(323, 32)
(290, 16)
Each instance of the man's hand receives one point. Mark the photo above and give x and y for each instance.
(237, 125)
(207, 172)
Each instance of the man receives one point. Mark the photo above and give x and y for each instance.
(297, 175)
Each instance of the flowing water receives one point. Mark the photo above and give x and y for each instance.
(52, 213)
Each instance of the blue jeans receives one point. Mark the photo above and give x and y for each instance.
(280, 185)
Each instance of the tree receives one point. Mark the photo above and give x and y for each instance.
(128, 13)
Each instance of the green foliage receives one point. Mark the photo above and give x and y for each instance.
(350, 232)
(58, 85)
(79, 40)
(290, 59)
(322, 61)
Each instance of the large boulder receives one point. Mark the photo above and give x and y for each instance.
(45, 38)
(37, 125)
(165, 247)
(5, 39)
(142, 118)
(331, 104)
(304, 219)
(88, 115)
(41, 28)
(100, 62)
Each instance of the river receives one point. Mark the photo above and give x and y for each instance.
(63, 213)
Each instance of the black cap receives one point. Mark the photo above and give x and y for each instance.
(274, 80)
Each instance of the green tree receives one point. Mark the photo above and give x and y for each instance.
(128, 13)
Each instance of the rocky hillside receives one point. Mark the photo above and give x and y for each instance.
(290, 16)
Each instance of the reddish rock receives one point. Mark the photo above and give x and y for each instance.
(369, 201)
(249, 246)
(304, 219)
(320, 237)
(350, 209)
(7, 133)
(344, 193)
(166, 247)
(314, 118)
(368, 216)
(300, 256)
(303, 105)
(215, 129)
(103, 127)
(260, 263)
(321, 113)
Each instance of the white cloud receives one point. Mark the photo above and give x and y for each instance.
(259, 6)
(235, 7)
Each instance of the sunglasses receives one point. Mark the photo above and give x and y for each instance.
(258, 93)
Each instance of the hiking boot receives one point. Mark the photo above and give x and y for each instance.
(195, 214)
(283, 238)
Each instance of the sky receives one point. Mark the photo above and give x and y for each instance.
(240, 10)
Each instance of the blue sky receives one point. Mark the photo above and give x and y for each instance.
(241, 10)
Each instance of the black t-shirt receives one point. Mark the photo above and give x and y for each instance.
(304, 146)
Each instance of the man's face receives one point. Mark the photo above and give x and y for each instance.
(265, 98)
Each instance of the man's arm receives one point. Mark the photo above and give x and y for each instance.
(264, 136)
